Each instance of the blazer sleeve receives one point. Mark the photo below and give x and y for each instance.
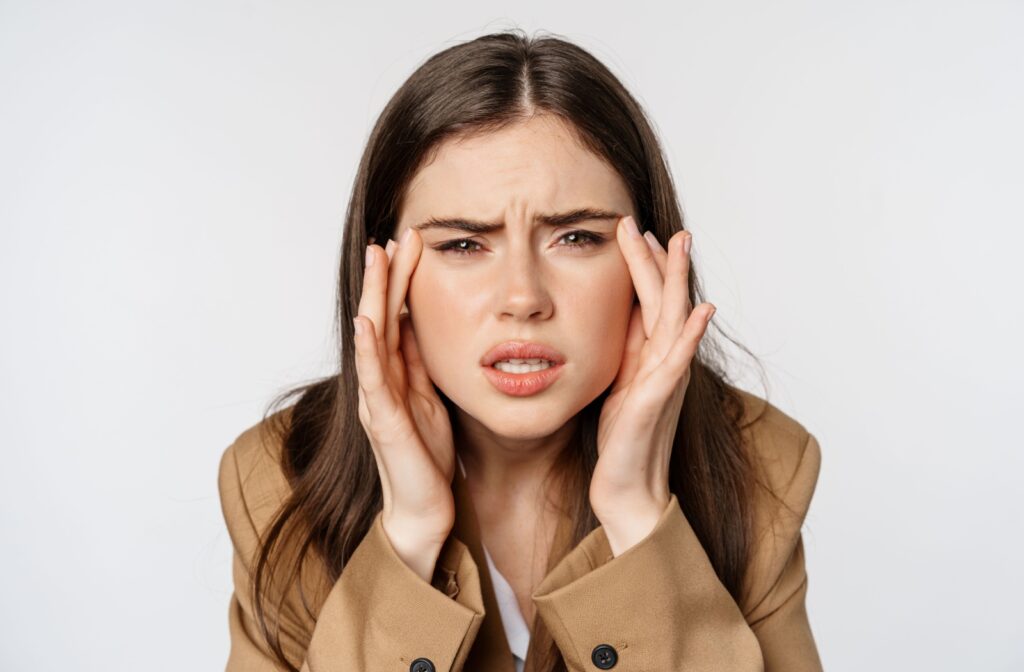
(661, 606)
(378, 615)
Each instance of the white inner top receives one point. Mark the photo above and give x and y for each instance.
(516, 632)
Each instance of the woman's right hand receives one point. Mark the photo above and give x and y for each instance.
(407, 423)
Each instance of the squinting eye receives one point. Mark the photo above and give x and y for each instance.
(584, 238)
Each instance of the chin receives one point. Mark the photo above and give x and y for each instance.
(532, 426)
(521, 419)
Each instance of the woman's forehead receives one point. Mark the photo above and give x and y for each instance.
(530, 167)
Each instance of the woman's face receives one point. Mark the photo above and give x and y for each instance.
(524, 281)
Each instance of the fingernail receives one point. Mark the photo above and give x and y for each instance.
(369, 255)
(631, 228)
(655, 245)
(405, 237)
(711, 314)
(686, 243)
(358, 325)
(390, 248)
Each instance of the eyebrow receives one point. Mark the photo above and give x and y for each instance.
(555, 219)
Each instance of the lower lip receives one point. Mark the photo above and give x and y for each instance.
(523, 384)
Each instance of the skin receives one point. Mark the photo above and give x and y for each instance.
(521, 281)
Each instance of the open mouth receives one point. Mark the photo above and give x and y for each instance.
(523, 365)
(523, 378)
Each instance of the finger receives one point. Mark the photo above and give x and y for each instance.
(370, 371)
(389, 421)
(367, 422)
(372, 301)
(660, 255)
(390, 250)
(419, 380)
(675, 296)
(647, 278)
(685, 348)
(404, 261)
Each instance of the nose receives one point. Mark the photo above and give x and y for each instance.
(522, 287)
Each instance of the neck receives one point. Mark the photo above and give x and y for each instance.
(507, 471)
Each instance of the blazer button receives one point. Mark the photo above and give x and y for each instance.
(421, 665)
(604, 656)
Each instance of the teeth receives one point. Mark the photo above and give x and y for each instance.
(522, 365)
(525, 361)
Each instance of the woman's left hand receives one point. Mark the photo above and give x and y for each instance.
(629, 489)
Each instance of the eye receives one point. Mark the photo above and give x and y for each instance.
(582, 239)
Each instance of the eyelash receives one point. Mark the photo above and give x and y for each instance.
(589, 239)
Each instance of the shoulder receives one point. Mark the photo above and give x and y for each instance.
(251, 483)
(785, 454)
(787, 460)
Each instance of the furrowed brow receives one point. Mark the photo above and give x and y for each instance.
(555, 219)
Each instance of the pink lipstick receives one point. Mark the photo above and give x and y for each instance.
(525, 383)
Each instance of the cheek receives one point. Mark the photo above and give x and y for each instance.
(436, 292)
(441, 318)
(602, 309)
(451, 297)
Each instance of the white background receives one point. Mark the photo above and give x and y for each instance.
(172, 184)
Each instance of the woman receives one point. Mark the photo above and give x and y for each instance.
(504, 474)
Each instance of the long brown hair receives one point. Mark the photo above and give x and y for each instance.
(477, 87)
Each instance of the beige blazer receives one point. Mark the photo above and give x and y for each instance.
(658, 607)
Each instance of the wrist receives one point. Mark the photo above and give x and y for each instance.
(419, 553)
(627, 527)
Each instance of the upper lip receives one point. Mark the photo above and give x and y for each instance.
(521, 350)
